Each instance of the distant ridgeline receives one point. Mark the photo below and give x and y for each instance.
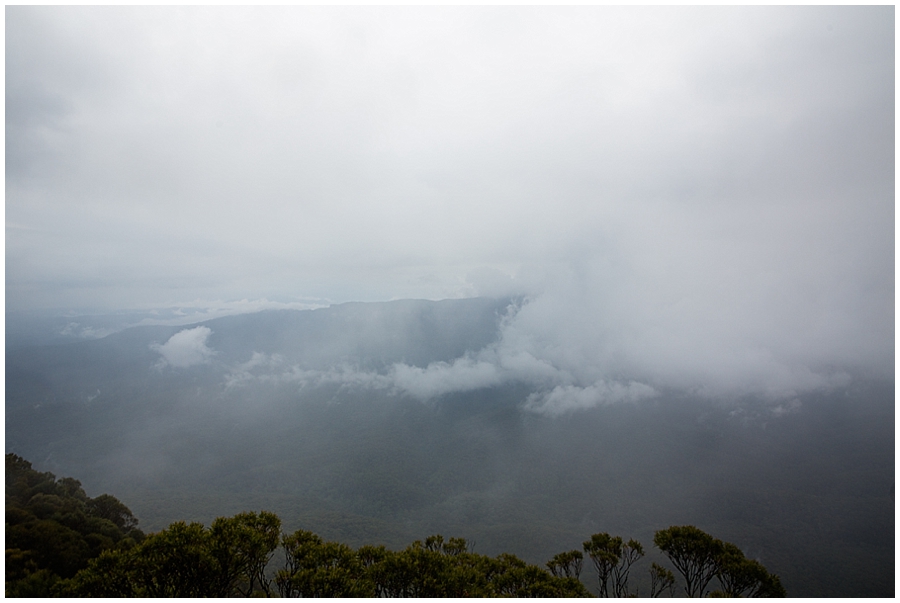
(60, 542)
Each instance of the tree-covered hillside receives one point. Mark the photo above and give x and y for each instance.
(53, 529)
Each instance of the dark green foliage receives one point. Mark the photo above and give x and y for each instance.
(693, 552)
(613, 559)
(566, 565)
(433, 568)
(109, 508)
(661, 580)
(243, 545)
(699, 557)
(604, 550)
(176, 562)
(515, 578)
(109, 575)
(314, 568)
(229, 559)
(631, 552)
(742, 577)
(696, 555)
(53, 529)
(188, 560)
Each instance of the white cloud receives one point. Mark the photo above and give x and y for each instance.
(439, 378)
(185, 348)
(568, 398)
(547, 344)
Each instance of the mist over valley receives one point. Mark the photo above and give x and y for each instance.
(312, 414)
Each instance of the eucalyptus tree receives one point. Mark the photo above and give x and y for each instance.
(742, 577)
(566, 565)
(661, 580)
(694, 553)
(604, 551)
(613, 559)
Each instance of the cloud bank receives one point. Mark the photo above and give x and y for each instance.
(185, 348)
(569, 365)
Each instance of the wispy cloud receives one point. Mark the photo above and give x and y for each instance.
(74, 329)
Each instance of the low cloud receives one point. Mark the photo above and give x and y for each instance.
(567, 398)
(439, 378)
(273, 368)
(557, 391)
(74, 329)
(185, 348)
(258, 367)
(579, 345)
(789, 407)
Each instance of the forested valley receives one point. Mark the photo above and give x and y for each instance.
(288, 412)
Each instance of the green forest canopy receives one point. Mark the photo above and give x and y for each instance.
(60, 542)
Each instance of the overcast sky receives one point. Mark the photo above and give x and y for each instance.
(684, 193)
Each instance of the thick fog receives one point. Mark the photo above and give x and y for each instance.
(695, 198)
